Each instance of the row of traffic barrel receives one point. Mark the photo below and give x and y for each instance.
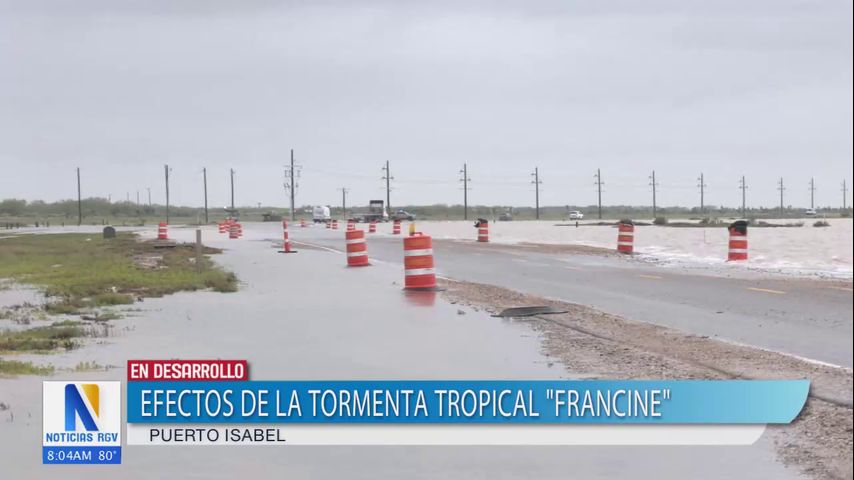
(418, 266)
(737, 239)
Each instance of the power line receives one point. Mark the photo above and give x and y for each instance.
(388, 178)
(344, 201)
(465, 179)
(537, 183)
(654, 184)
(812, 192)
(702, 186)
(291, 184)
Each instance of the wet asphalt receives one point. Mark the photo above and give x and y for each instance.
(807, 318)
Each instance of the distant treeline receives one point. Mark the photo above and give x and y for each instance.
(99, 210)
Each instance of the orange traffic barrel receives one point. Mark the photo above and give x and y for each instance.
(737, 241)
(302, 223)
(239, 229)
(328, 224)
(233, 231)
(395, 228)
(357, 248)
(161, 231)
(372, 227)
(334, 224)
(286, 239)
(419, 271)
(351, 225)
(482, 226)
(626, 236)
(222, 227)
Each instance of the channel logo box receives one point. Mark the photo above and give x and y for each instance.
(82, 422)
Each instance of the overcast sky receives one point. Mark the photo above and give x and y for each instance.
(119, 88)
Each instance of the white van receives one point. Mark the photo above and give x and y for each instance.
(321, 214)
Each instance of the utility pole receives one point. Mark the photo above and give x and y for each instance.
(231, 172)
(465, 179)
(536, 183)
(654, 184)
(80, 201)
(388, 178)
(137, 198)
(291, 185)
(781, 188)
(599, 184)
(166, 170)
(702, 186)
(205, 180)
(344, 201)
(844, 195)
(812, 193)
(743, 187)
(149, 196)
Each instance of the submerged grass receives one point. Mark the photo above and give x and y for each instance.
(15, 367)
(85, 270)
(59, 335)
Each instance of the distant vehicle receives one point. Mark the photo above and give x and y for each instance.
(403, 215)
(321, 214)
(505, 217)
(376, 212)
(576, 215)
(810, 212)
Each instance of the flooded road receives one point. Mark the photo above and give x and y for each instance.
(307, 316)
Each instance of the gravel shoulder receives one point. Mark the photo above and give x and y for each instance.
(600, 345)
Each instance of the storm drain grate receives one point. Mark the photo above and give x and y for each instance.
(527, 311)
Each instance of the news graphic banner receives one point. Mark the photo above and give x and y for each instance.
(214, 402)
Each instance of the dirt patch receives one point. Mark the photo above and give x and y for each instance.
(600, 345)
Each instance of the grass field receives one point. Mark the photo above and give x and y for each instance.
(85, 270)
(81, 273)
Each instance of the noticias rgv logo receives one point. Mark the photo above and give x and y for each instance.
(81, 422)
(76, 408)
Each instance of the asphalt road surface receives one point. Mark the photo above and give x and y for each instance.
(807, 318)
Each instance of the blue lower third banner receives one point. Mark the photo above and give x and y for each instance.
(81, 455)
(467, 402)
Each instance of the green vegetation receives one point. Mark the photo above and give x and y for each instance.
(89, 367)
(15, 367)
(101, 211)
(84, 271)
(42, 339)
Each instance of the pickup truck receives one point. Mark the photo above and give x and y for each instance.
(403, 215)
(576, 215)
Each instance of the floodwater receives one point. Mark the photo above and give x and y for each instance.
(307, 316)
(801, 251)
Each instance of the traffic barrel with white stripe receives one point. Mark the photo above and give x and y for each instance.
(222, 226)
(626, 236)
(395, 228)
(302, 223)
(286, 239)
(482, 226)
(334, 224)
(233, 231)
(419, 270)
(357, 248)
(372, 227)
(351, 225)
(737, 241)
(328, 224)
(239, 229)
(161, 231)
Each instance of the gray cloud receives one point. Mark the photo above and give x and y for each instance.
(758, 88)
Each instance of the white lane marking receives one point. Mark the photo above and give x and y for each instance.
(767, 290)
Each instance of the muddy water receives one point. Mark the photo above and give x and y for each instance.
(306, 316)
